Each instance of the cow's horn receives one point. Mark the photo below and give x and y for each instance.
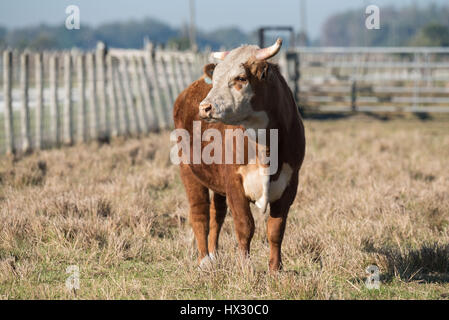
(267, 53)
(220, 55)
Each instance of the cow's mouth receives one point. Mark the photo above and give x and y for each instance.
(210, 119)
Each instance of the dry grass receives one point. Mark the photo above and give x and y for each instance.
(371, 192)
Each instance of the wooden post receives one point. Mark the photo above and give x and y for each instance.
(123, 116)
(164, 83)
(134, 125)
(68, 131)
(25, 110)
(93, 110)
(187, 73)
(354, 95)
(82, 132)
(54, 108)
(179, 76)
(140, 112)
(152, 75)
(293, 60)
(7, 85)
(112, 97)
(100, 60)
(172, 76)
(39, 71)
(145, 87)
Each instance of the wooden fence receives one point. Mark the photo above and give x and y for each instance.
(59, 98)
(49, 99)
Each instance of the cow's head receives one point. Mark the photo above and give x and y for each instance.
(234, 84)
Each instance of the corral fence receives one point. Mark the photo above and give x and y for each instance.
(410, 79)
(49, 99)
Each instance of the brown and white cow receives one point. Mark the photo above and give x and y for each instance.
(246, 92)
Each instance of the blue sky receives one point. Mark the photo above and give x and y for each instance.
(210, 14)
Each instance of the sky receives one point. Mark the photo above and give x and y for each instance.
(210, 14)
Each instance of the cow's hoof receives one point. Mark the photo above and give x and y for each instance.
(206, 263)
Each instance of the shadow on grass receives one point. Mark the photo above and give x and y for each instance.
(324, 116)
(428, 263)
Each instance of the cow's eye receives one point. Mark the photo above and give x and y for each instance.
(241, 79)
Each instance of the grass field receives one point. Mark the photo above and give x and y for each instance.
(371, 193)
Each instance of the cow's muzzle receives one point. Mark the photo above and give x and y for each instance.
(206, 111)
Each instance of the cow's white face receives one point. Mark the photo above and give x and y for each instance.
(229, 100)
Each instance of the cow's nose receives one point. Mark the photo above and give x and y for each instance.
(205, 111)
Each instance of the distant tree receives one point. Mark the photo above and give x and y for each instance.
(179, 43)
(43, 41)
(129, 34)
(3, 32)
(432, 35)
(397, 26)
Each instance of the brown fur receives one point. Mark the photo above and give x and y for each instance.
(207, 215)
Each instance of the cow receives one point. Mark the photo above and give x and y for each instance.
(242, 91)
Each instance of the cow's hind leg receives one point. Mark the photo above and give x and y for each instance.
(218, 210)
(198, 196)
(241, 214)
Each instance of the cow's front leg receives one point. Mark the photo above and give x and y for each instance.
(275, 233)
(218, 210)
(277, 222)
(241, 214)
(198, 196)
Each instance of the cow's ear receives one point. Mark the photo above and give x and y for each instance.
(209, 70)
(262, 70)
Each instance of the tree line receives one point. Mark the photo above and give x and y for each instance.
(411, 25)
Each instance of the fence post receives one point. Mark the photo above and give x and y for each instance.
(152, 74)
(163, 77)
(82, 99)
(112, 96)
(100, 60)
(146, 94)
(293, 57)
(354, 95)
(187, 71)
(172, 79)
(40, 99)
(68, 132)
(123, 117)
(134, 124)
(178, 74)
(93, 110)
(7, 86)
(25, 110)
(54, 109)
(140, 112)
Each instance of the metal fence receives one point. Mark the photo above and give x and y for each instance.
(373, 79)
(58, 98)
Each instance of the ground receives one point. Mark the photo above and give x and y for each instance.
(371, 192)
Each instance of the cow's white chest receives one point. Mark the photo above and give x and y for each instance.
(254, 182)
